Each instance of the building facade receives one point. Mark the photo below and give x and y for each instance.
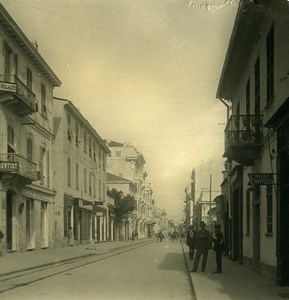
(26, 132)
(254, 87)
(80, 209)
(125, 161)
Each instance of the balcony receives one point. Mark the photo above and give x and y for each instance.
(15, 165)
(243, 138)
(16, 95)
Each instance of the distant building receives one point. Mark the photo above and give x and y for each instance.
(26, 133)
(126, 162)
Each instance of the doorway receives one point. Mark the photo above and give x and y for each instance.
(10, 221)
(256, 236)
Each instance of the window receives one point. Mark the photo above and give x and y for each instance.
(90, 185)
(42, 164)
(47, 173)
(29, 149)
(270, 65)
(43, 100)
(94, 152)
(99, 187)
(7, 51)
(84, 142)
(68, 171)
(89, 147)
(269, 196)
(16, 68)
(248, 100)
(10, 139)
(257, 87)
(94, 186)
(85, 180)
(248, 213)
(77, 176)
(76, 135)
(99, 158)
(29, 78)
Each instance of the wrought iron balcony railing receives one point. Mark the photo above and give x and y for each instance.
(243, 138)
(22, 92)
(243, 129)
(23, 166)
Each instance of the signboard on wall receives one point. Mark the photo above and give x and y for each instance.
(7, 87)
(261, 178)
(9, 166)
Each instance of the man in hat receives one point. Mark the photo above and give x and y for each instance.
(202, 245)
(218, 240)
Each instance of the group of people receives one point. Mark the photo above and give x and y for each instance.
(199, 243)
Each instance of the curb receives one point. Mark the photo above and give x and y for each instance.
(194, 297)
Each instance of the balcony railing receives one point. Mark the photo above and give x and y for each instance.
(26, 97)
(25, 168)
(243, 137)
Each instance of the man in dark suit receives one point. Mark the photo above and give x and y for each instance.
(202, 245)
(218, 240)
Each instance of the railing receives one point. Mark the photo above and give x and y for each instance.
(27, 168)
(243, 130)
(22, 90)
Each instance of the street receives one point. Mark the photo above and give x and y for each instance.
(150, 271)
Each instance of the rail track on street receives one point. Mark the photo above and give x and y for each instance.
(29, 276)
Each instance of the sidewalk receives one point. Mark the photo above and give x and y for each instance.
(236, 282)
(15, 262)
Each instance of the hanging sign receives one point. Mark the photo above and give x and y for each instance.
(261, 178)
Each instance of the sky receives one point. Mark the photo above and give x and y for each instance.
(145, 73)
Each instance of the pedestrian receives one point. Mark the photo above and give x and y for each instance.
(132, 236)
(1, 237)
(174, 235)
(191, 236)
(91, 243)
(202, 246)
(218, 240)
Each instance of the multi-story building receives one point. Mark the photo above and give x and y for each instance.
(125, 161)
(254, 84)
(26, 133)
(124, 230)
(80, 177)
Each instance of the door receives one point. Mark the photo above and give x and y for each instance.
(256, 236)
(9, 220)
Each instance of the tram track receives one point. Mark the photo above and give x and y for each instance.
(26, 277)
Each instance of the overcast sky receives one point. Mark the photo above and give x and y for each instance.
(143, 72)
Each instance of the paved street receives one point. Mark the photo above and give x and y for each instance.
(134, 270)
(143, 269)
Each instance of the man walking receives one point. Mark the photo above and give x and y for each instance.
(218, 240)
(202, 245)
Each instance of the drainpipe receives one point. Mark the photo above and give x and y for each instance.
(228, 108)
